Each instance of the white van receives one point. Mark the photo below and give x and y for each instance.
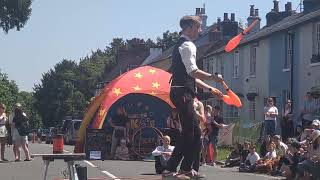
(70, 129)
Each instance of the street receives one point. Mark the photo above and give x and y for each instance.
(99, 169)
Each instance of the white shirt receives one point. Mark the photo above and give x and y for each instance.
(160, 149)
(271, 155)
(253, 158)
(282, 149)
(272, 110)
(188, 52)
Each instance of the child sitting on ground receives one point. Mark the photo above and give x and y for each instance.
(251, 160)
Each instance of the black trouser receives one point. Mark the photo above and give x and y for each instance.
(188, 145)
(287, 129)
(158, 166)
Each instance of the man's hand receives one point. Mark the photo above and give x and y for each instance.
(217, 93)
(217, 77)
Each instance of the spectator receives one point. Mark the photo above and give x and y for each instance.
(173, 120)
(120, 123)
(287, 130)
(264, 146)
(20, 123)
(270, 117)
(162, 154)
(308, 111)
(249, 164)
(268, 162)
(122, 151)
(245, 151)
(312, 164)
(291, 159)
(234, 158)
(281, 148)
(3, 130)
(216, 122)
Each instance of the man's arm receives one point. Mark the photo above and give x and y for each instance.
(213, 90)
(199, 74)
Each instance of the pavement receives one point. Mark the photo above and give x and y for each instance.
(102, 170)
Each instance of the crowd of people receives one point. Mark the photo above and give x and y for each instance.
(14, 131)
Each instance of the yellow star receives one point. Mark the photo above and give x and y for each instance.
(117, 91)
(137, 88)
(138, 75)
(153, 93)
(101, 113)
(152, 71)
(156, 85)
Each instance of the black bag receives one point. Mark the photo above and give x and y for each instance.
(119, 133)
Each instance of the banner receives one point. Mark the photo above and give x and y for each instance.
(225, 135)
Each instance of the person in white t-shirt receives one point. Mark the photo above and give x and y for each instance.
(251, 160)
(270, 118)
(162, 154)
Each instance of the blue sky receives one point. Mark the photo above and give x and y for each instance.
(71, 29)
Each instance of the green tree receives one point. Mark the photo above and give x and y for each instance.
(8, 91)
(168, 39)
(14, 14)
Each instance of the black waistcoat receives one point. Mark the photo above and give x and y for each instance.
(180, 77)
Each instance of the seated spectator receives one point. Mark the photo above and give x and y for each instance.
(122, 151)
(268, 162)
(162, 154)
(291, 160)
(264, 145)
(312, 164)
(234, 158)
(251, 160)
(245, 151)
(281, 148)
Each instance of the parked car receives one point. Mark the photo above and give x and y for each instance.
(70, 129)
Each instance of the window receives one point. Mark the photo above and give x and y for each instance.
(289, 51)
(316, 43)
(253, 60)
(252, 110)
(210, 68)
(232, 112)
(236, 63)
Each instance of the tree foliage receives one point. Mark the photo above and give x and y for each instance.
(14, 14)
(168, 39)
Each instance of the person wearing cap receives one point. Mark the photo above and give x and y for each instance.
(122, 151)
(312, 163)
(14, 132)
(162, 154)
(185, 77)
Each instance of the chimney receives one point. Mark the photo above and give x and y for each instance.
(254, 15)
(203, 11)
(276, 6)
(225, 17)
(233, 17)
(288, 7)
(219, 24)
(252, 10)
(198, 11)
(256, 12)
